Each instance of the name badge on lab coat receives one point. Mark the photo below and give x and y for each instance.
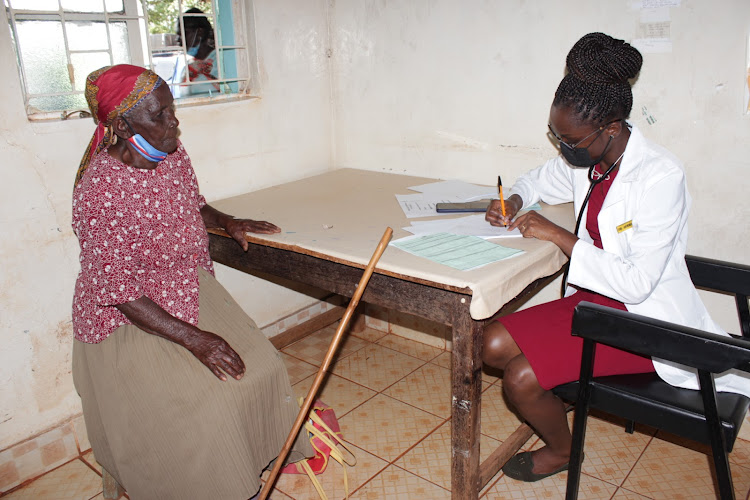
(625, 226)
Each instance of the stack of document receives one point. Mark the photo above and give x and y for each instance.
(422, 204)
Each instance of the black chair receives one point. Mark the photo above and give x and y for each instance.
(703, 416)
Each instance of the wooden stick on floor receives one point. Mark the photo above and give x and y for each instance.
(305, 410)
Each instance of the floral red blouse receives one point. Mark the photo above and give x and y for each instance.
(141, 234)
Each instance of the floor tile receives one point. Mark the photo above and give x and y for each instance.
(431, 459)
(498, 422)
(444, 360)
(376, 367)
(300, 487)
(419, 329)
(623, 494)
(610, 452)
(745, 429)
(407, 424)
(314, 347)
(276, 495)
(90, 459)
(669, 470)
(412, 348)
(398, 484)
(551, 488)
(338, 393)
(370, 334)
(741, 453)
(427, 388)
(74, 480)
(489, 375)
(386, 427)
(297, 369)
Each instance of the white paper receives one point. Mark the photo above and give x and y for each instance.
(660, 30)
(653, 45)
(472, 225)
(487, 196)
(461, 190)
(656, 4)
(421, 205)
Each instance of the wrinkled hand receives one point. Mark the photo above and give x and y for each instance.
(214, 352)
(237, 228)
(494, 214)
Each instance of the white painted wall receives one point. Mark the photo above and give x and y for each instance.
(438, 88)
(236, 148)
(451, 89)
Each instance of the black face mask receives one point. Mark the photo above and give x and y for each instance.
(580, 157)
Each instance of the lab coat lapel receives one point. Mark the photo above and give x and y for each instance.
(615, 209)
(628, 170)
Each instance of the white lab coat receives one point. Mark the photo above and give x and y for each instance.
(643, 266)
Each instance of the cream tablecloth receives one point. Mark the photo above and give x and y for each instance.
(341, 215)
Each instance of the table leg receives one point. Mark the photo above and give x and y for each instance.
(466, 376)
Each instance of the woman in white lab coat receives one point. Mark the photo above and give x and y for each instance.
(629, 253)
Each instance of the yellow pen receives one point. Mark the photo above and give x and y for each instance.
(500, 194)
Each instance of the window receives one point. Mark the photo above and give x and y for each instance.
(198, 46)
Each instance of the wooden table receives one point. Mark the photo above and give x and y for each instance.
(331, 224)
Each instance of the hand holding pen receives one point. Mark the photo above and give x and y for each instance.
(501, 212)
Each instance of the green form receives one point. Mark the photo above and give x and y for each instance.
(459, 252)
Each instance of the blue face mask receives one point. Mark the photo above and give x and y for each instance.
(143, 147)
(193, 50)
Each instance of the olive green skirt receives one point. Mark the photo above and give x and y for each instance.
(165, 427)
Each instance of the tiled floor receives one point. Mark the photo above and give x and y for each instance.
(392, 395)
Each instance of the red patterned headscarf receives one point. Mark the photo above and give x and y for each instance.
(112, 91)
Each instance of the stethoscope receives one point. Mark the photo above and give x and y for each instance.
(593, 181)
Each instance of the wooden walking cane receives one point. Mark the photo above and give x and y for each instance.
(305, 410)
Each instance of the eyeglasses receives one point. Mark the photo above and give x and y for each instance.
(573, 146)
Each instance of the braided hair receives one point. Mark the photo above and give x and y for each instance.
(596, 85)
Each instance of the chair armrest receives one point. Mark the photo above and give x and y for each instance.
(662, 339)
(719, 275)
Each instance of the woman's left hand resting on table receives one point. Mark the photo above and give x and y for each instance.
(236, 228)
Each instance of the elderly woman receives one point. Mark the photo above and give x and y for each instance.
(183, 396)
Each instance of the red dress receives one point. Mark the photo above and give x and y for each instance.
(543, 332)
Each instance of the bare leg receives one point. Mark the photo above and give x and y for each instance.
(499, 347)
(544, 411)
